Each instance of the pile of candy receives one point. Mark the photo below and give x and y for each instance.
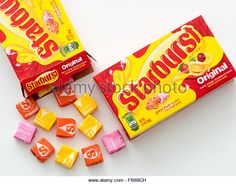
(66, 128)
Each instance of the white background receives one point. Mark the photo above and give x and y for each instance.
(200, 140)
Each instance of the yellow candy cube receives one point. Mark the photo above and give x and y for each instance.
(85, 105)
(45, 119)
(90, 126)
(67, 156)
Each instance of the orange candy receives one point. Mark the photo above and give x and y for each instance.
(42, 150)
(28, 107)
(65, 96)
(92, 155)
(66, 127)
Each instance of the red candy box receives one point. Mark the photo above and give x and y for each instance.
(165, 76)
(41, 44)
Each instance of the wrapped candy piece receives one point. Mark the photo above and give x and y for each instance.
(67, 156)
(45, 119)
(65, 96)
(85, 105)
(25, 132)
(92, 155)
(66, 127)
(42, 150)
(28, 107)
(90, 126)
(113, 142)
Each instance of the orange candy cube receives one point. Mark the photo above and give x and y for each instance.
(92, 155)
(66, 127)
(42, 150)
(65, 96)
(28, 107)
(85, 105)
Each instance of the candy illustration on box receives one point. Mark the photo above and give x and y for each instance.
(165, 76)
(41, 44)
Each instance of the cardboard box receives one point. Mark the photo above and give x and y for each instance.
(165, 76)
(41, 44)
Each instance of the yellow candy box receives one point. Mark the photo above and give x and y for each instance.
(41, 43)
(165, 76)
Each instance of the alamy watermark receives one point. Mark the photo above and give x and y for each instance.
(111, 88)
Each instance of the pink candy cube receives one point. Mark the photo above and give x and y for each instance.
(25, 132)
(113, 142)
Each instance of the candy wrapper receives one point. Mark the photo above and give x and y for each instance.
(113, 142)
(165, 76)
(41, 44)
(92, 155)
(25, 132)
(28, 107)
(42, 150)
(66, 127)
(90, 126)
(67, 156)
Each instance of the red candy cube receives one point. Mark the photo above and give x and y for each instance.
(28, 107)
(65, 96)
(42, 150)
(66, 127)
(92, 155)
